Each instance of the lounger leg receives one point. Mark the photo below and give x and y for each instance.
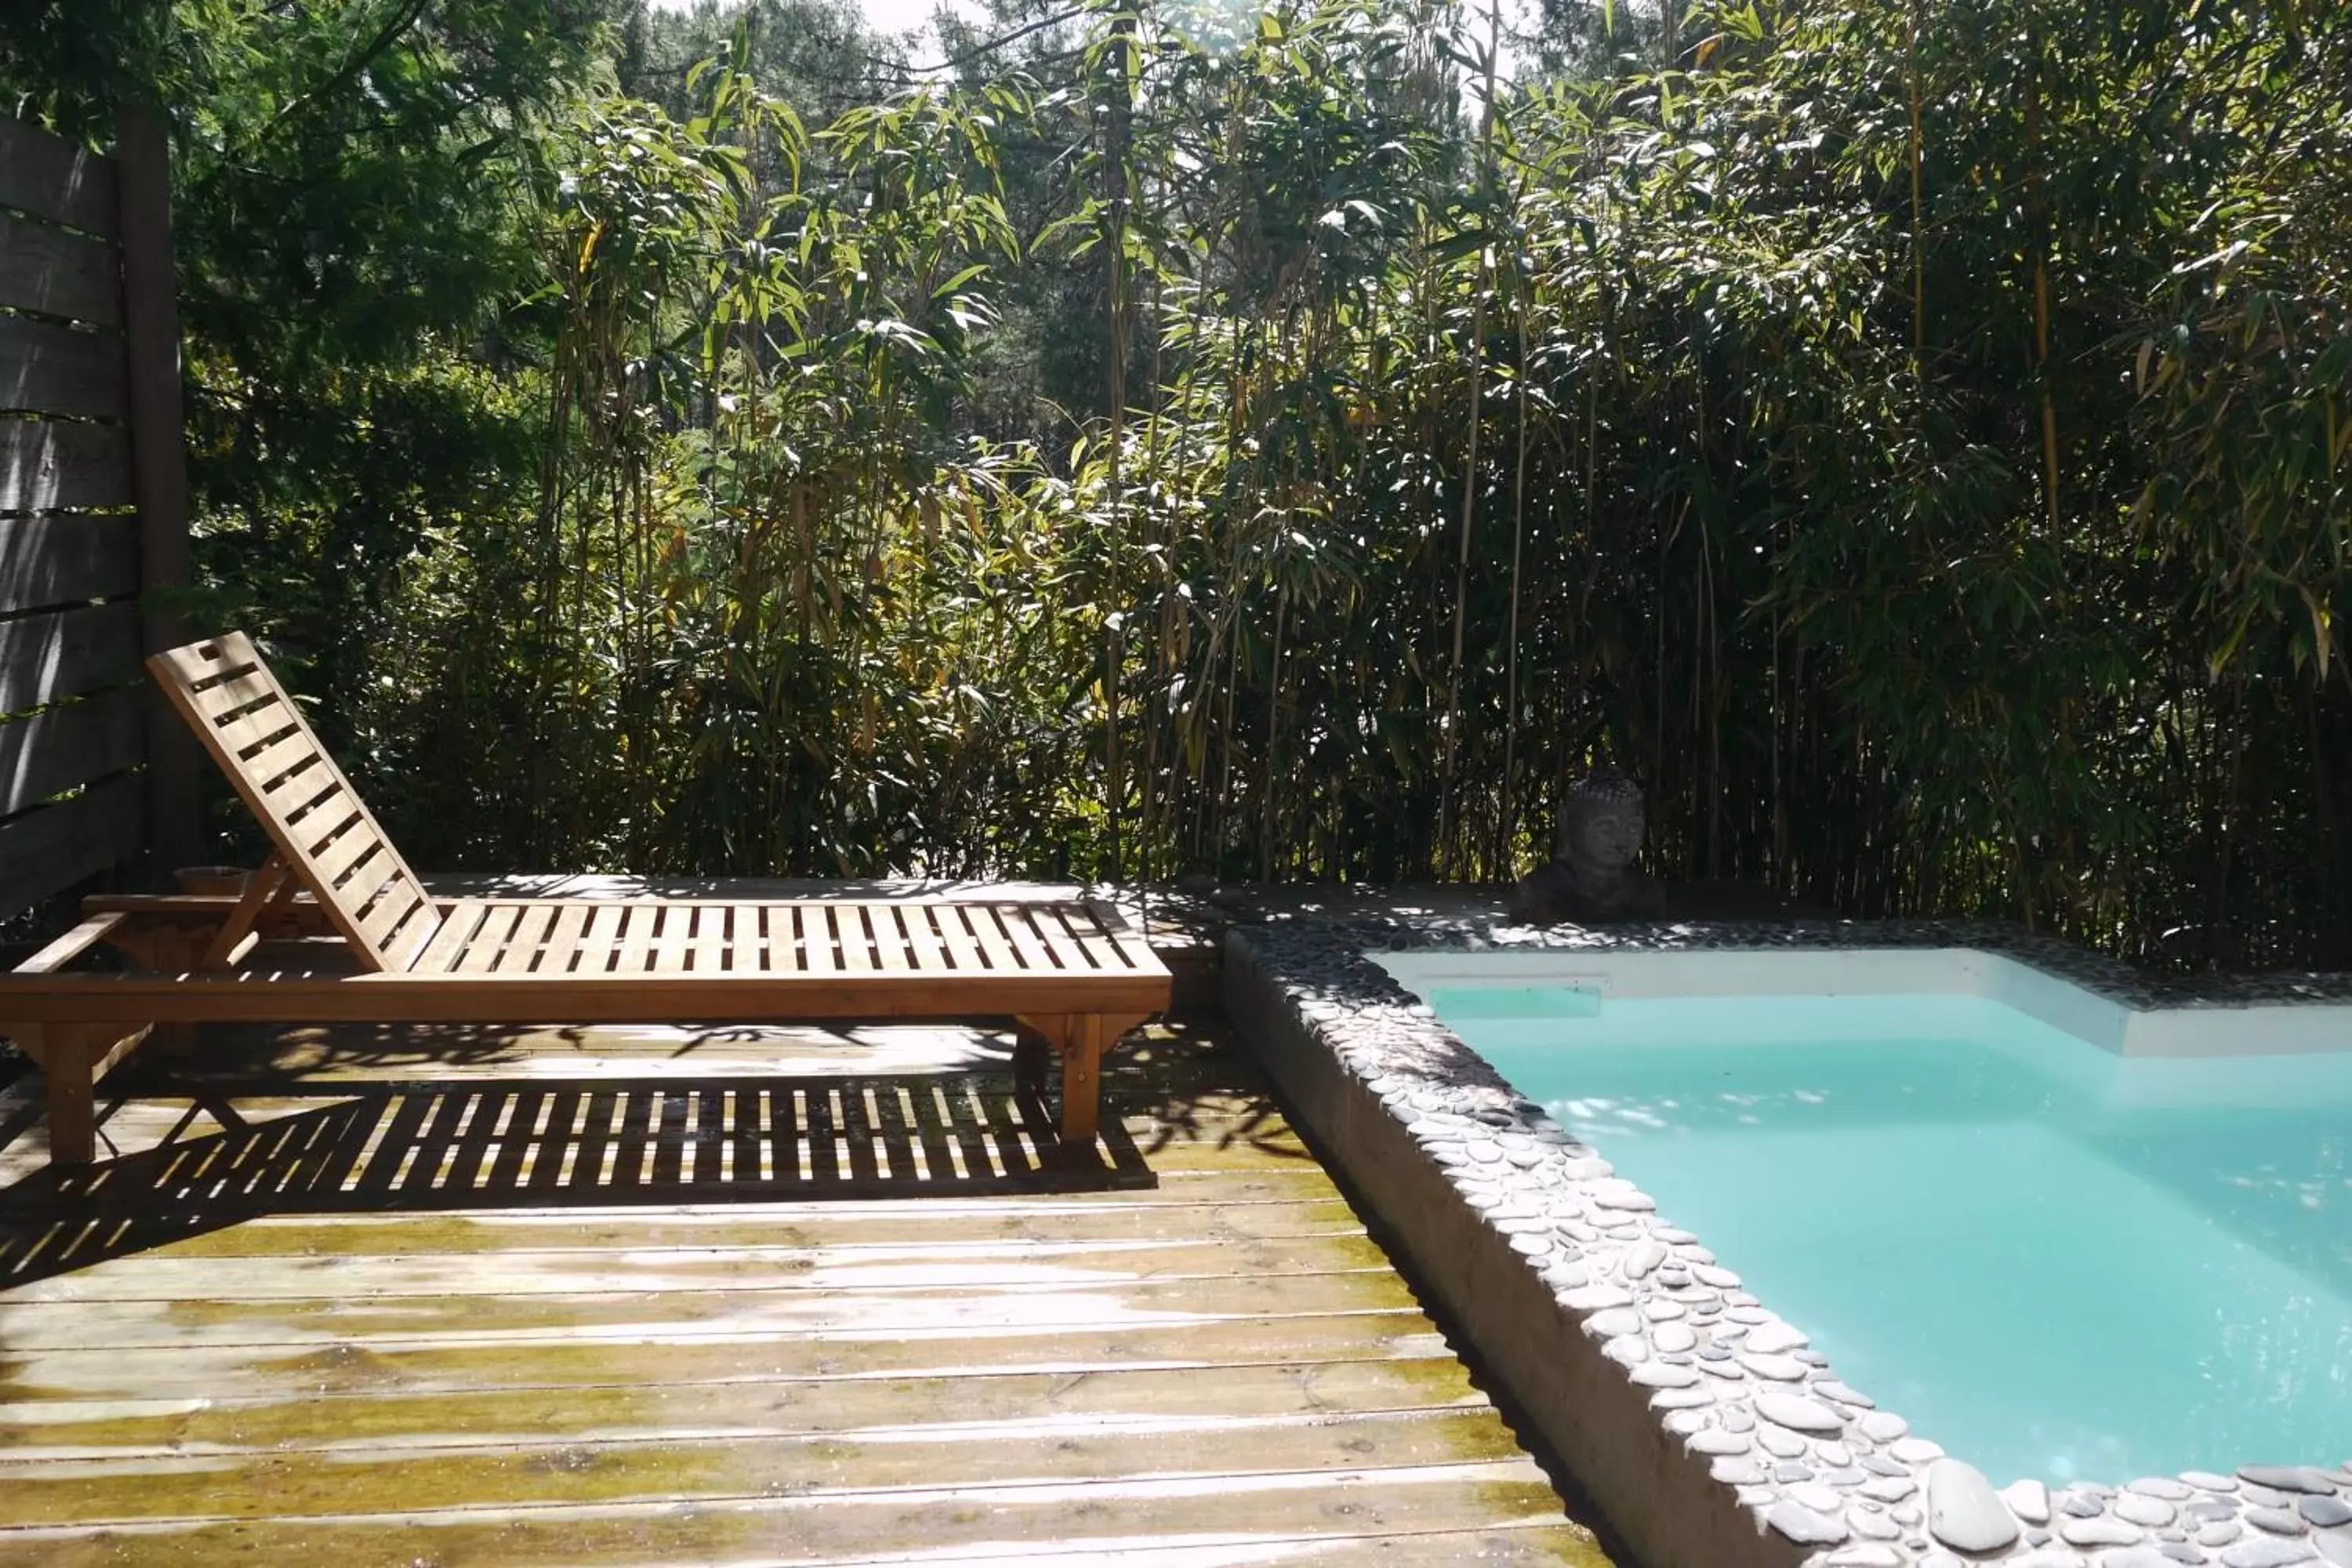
(1082, 1050)
(73, 1057)
(1083, 1039)
(73, 1099)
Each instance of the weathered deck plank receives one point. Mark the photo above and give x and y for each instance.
(1017, 1522)
(316, 1311)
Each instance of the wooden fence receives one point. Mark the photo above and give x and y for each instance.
(93, 513)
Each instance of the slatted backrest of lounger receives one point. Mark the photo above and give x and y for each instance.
(308, 807)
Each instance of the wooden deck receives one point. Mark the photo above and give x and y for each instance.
(422, 1296)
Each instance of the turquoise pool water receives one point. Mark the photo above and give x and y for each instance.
(2054, 1261)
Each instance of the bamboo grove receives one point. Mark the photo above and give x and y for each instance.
(1915, 442)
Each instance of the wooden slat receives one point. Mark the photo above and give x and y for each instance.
(676, 922)
(813, 936)
(1128, 941)
(56, 179)
(402, 921)
(335, 835)
(1135, 953)
(317, 812)
(51, 465)
(604, 928)
(457, 931)
(352, 859)
(996, 952)
(318, 807)
(1061, 952)
(529, 933)
(251, 693)
(563, 938)
(245, 709)
(51, 560)
(258, 725)
(848, 924)
(62, 747)
(55, 272)
(635, 939)
(923, 938)
(707, 947)
(1079, 929)
(780, 941)
(1017, 935)
(406, 945)
(66, 653)
(45, 368)
(747, 945)
(821, 941)
(889, 938)
(270, 764)
(293, 772)
(963, 954)
(49, 849)
(239, 728)
(481, 949)
(372, 878)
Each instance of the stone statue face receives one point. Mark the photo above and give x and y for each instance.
(1606, 835)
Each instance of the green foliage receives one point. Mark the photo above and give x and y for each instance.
(1915, 442)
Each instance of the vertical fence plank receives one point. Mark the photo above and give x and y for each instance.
(159, 471)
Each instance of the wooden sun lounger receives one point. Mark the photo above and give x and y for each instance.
(1073, 973)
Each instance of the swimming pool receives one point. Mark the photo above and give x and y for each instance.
(2060, 1262)
(1796, 1243)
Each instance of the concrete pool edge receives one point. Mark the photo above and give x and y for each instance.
(1559, 1277)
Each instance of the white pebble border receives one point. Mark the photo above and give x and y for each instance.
(1749, 1413)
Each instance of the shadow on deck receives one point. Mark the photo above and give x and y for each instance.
(474, 1144)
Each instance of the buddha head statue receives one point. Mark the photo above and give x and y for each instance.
(1600, 823)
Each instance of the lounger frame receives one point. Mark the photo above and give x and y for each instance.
(335, 928)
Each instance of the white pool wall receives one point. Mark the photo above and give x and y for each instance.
(2258, 1029)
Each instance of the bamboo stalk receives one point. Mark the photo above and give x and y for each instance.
(1506, 837)
(1446, 792)
(1918, 200)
